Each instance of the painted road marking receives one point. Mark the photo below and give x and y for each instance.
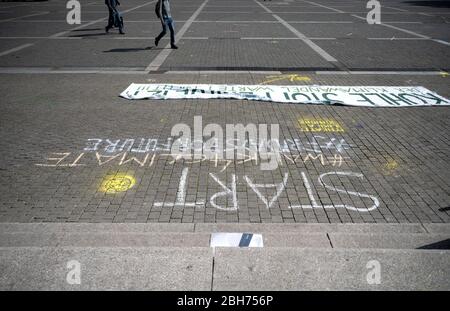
(397, 39)
(300, 35)
(12, 6)
(60, 34)
(71, 70)
(268, 38)
(30, 15)
(207, 38)
(162, 56)
(323, 6)
(206, 72)
(184, 38)
(141, 70)
(397, 28)
(441, 42)
(397, 9)
(383, 24)
(408, 73)
(276, 22)
(40, 38)
(64, 21)
(21, 47)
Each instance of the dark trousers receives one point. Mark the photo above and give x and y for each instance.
(168, 22)
(114, 16)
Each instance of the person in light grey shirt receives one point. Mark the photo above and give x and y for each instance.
(162, 10)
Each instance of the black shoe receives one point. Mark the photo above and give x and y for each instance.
(121, 32)
(156, 41)
(173, 46)
(107, 29)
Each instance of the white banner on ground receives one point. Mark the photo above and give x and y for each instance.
(362, 96)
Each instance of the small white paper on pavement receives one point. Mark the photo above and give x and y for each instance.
(223, 239)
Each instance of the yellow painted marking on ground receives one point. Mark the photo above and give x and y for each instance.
(391, 165)
(391, 168)
(444, 74)
(290, 77)
(320, 125)
(117, 183)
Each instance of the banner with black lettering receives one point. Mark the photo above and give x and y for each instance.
(362, 96)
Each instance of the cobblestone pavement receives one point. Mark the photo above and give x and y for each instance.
(71, 150)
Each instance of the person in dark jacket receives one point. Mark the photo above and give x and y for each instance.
(115, 19)
(162, 10)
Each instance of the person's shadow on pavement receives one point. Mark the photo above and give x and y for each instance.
(87, 35)
(128, 50)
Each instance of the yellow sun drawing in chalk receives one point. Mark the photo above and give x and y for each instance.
(117, 183)
(391, 167)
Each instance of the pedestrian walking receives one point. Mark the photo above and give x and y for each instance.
(162, 10)
(115, 19)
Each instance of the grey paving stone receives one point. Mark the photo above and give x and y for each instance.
(313, 228)
(106, 239)
(387, 241)
(107, 268)
(313, 269)
(437, 228)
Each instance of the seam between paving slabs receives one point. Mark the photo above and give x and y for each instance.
(329, 240)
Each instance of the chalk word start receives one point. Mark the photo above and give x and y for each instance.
(229, 191)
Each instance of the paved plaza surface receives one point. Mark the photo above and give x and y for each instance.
(72, 150)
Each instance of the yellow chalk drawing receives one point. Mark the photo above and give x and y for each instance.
(444, 74)
(320, 125)
(291, 77)
(117, 183)
(391, 168)
(391, 165)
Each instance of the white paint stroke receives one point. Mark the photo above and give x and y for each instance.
(19, 17)
(354, 193)
(308, 189)
(300, 35)
(280, 187)
(181, 194)
(227, 191)
(21, 47)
